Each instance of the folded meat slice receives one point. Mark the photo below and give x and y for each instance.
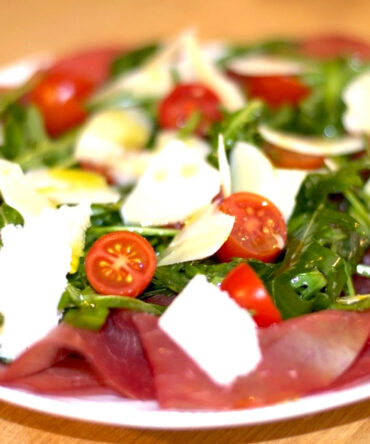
(300, 356)
(115, 356)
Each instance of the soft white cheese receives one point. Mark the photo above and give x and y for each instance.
(356, 96)
(34, 262)
(176, 184)
(213, 330)
(253, 172)
(201, 237)
(265, 65)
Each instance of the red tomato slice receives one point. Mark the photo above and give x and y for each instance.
(243, 284)
(288, 159)
(120, 263)
(60, 100)
(183, 101)
(92, 65)
(330, 46)
(259, 231)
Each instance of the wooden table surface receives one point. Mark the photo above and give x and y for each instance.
(28, 26)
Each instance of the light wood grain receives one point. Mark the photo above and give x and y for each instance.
(28, 26)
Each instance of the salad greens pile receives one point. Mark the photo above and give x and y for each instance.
(328, 232)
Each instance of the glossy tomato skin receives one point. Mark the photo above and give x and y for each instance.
(185, 99)
(335, 45)
(120, 263)
(287, 159)
(60, 98)
(275, 90)
(246, 288)
(90, 65)
(259, 230)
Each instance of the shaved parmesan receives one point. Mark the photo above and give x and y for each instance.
(224, 167)
(17, 192)
(356, 96)
(176, 184)
(222, 353)
(314, 146)
(208, 74)
(186, 57)
(253, 172)
(265, 65)
(200, 238)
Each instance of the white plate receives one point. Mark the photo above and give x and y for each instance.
(117, 411)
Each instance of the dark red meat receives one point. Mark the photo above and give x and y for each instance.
(300, 356)
(115, 354)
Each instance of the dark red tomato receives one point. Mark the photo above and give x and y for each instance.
(288, 159)
(60, 99)
(259, 230)
(93, 65)
(276, 90)
(183, 101)
(120, 263)
(243, 284)
(330, 46)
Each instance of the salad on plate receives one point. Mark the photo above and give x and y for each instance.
(187, 223)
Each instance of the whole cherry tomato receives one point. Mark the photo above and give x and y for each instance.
(184, 101)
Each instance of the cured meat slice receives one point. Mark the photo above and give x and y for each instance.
(300, 356)
(115, 353)
(71, 376)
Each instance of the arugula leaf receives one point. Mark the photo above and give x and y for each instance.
(9, 215)
(89, 310)
(175, 277)
(323, 241)
(132, 59)
(26, 142)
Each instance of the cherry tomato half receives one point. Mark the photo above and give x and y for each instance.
(330, 46)
(91, 65)
(183, 101)
(243, 284)
(60, 100)
(120, 263)
(288, 159)
(259, 230)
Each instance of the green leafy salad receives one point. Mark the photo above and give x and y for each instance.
(125, 174)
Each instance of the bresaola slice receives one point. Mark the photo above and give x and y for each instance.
(300, 356)
(114, 352)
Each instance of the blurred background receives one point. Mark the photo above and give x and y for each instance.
(27, 26)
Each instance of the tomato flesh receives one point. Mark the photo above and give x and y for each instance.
(243, 284)
(60, 99)
(288, 159)
(120, 263)
(259, 230)
(186, 99)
